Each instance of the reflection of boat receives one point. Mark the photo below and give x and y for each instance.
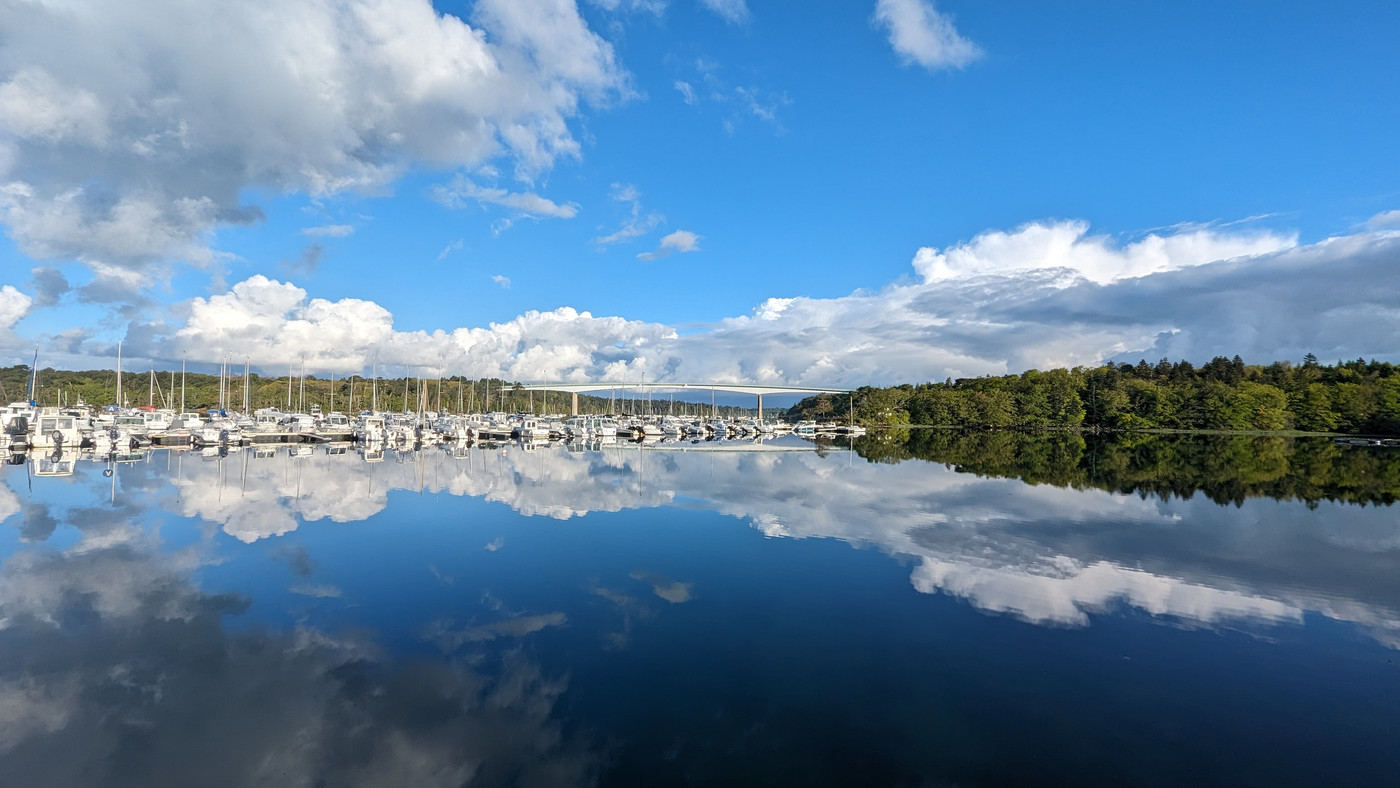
(59, 462)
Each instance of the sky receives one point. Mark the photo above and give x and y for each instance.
(822, 194)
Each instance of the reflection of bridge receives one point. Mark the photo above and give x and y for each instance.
(670, 388)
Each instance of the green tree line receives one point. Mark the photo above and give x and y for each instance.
(199, 391)
(1227, 469)
(1226, 394)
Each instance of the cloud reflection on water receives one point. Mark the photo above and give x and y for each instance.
(116, 669)
(1045, 554)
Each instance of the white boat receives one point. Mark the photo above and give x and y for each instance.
(55, 430)
(299, 423)
(370, 428)
(532, 429)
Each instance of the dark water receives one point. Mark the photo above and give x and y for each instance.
(1167, 612)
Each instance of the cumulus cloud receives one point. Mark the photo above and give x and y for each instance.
(503, 281)
(271, 322)
(678, 241)
(49, 285)
(920, 34)
(14, 305)
(1043, 295)
(134, 161)
(1069, 247)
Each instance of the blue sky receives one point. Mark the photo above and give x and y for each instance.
(814, 193)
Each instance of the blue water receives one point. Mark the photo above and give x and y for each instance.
(657, 616)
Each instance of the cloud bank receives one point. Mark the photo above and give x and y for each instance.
(1043, 295)
(129, 133)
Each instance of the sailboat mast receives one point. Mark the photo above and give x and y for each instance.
(119, 375)
(182, 383)
(34, 376)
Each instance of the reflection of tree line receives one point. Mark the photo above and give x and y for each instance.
(1225, 394)
(1225, 468)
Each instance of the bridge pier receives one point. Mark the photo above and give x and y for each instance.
(573, 409)
(760, 407)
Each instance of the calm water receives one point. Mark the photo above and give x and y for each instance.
(661, 616)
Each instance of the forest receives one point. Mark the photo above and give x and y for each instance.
(197, 392)
(1355, 397)
(1352, 397)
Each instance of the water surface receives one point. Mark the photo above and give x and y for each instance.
(959, 611)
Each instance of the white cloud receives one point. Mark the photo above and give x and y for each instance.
(735, 11)
(998, 558)
(134, 161)
(329, 231)
(920, 34)
(1044, 295)
(736, 104)
(687, 92)
(14, 305)
(274, 322)
(656, 7)
(1385, 220)
(455, 246)
(1068, 246)
(637, 223)
(33, 105)
(528, 203)
(678, 241)
(503, 281)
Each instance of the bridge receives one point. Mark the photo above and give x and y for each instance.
(670, 388)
